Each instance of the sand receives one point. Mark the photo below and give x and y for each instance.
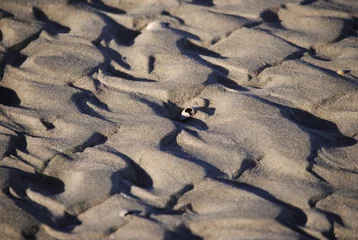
(94, 145)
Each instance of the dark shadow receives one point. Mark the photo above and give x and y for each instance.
(5, 14)
(14, 59)
(182, 232)
(151, 63)
(143, 178)
(251, 24)
(227, 82)
(77, 2)
(312, 202)
(172, 110)
(193, 49)
(50, 26)
(322, 133)
(80, 99)
(65, 224)
(113, 30)
(312, 53)
(20, 181)
(290, 216)
(355, 22)
(120, 184)
(30, 233)
(350, 27)
(94, 140)
(219, 74)
(246, 165)
(270, 15)
(207, 110)
(307, 120)
(110, 54)
(98, 4)
(281, 27)
(195, 123)
(186, 36)
(166, 13)
(169, 144)
(17, 142)
(48, 125)
(332, 218)
(174, 200)
(207, 3)
(126, 76)
(9, 97)
(23, 44)
(307, 2)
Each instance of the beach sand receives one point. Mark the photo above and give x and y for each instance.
(93, 145)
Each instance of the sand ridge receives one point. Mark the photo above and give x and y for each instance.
(93, 147)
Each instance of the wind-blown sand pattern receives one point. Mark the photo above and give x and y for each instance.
(93, 145)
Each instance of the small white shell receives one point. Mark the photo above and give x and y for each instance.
(156, 25)
(187, 113)
(123, 213)
(341, 72)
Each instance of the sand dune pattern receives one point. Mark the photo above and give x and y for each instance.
(93, 146)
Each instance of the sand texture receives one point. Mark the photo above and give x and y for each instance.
(94, 146)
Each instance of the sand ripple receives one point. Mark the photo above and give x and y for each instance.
(93, 146)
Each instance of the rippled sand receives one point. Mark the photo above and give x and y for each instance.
(92, 141)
